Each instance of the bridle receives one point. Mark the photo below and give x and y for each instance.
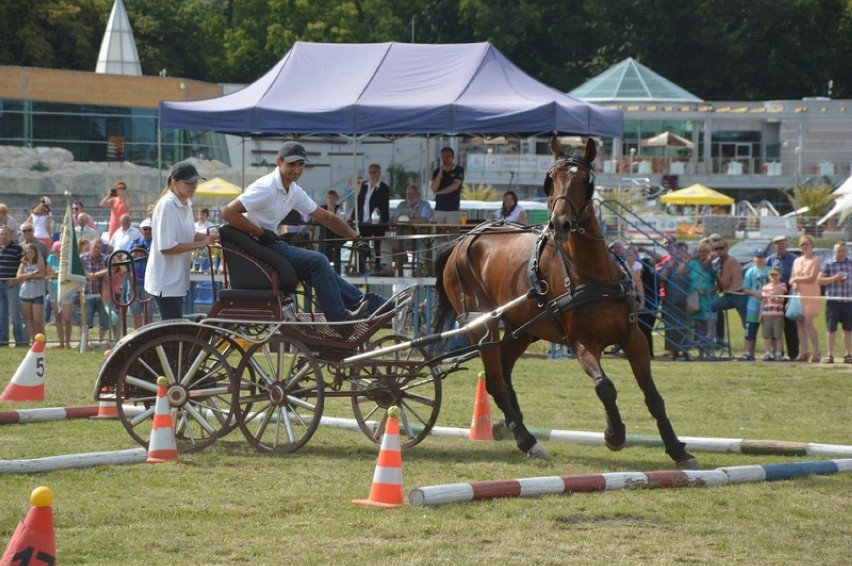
(574, 164)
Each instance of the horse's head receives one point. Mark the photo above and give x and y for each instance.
(570, 186)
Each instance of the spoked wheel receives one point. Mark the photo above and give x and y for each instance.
(394, 379)
(199, 375)
(278, 395)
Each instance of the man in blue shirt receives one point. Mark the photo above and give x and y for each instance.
(836, 276)
(139, 249)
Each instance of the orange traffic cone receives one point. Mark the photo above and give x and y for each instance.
(28, 382)
(480, 424)
(107, 408)
(386, 490)
(34, 541)
(161, 445)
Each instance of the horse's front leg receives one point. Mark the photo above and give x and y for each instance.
(498, 361)
(640, 363)
(590, 361)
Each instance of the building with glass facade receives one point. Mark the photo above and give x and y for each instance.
(100, 117)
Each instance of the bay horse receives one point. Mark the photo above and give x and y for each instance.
(578, 296)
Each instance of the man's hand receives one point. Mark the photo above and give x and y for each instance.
(268, 237)
(363, 248)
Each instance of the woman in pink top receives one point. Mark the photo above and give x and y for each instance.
(804, 281)
(119, 204)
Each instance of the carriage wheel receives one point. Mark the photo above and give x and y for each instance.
(199, 394)
(278, 395)
(382, 385)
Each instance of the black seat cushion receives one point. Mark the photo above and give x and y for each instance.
(244, 273)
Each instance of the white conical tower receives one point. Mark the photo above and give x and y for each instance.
(118, 55)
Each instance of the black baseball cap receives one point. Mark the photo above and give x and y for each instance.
(185, 171)
(292, 151)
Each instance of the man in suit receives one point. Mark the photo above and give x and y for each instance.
(373, 197)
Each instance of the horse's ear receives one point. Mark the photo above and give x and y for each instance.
(591, 149)
(554, 146)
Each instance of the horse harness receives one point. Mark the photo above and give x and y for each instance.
(574, 296)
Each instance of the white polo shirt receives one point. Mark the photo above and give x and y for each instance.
(172, 224)
(267, 203)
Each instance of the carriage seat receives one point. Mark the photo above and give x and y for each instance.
(255, 272)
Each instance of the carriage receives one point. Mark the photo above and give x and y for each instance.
(255, 363)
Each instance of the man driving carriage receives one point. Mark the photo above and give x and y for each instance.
(258, 212)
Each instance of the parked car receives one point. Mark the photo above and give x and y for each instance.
(743, 251)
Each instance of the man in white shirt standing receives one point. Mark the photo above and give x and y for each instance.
(259, 211)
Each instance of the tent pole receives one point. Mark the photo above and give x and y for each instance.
(243, 172)
(160, 155)
(357, 214)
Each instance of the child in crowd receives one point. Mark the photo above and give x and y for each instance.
(32, 291)
(62, 311)
(755, 278)
(772, 315)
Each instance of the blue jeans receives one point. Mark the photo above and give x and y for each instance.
(333, 293)
(730, 301)
(10, 308)
(94, 302)
(170, 307)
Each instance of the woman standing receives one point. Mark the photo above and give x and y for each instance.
(31, 276)
(42, 222)
(804, 281)
(702, 279)
(511, 211)
(173, 240)
(118, 203)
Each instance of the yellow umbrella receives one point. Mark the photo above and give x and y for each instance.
(218, 187)
(696, 194)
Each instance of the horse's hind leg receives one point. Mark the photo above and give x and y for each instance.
(640, 362)
(590, 361)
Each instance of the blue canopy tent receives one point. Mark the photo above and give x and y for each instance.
(393, 89)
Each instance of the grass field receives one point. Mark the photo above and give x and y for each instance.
(229, 504)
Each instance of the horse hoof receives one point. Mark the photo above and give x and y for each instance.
(688, 464)
(538, 452)
(613, 447)
(500, 430)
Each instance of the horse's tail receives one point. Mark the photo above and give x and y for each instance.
(443, 309)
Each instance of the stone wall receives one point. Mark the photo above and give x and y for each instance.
(724, 225)
(27, 174)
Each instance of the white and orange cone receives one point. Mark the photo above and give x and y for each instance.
(107, 408)
(28, 382)
(34, 541)
(386, 490)
(480, 423)
(162, 446)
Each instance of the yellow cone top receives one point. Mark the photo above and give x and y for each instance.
(393, 412)
(41, 496)
(481, 375)
(39, 337)
(162, 380)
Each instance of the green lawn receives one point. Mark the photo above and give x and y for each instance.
(230, 504)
